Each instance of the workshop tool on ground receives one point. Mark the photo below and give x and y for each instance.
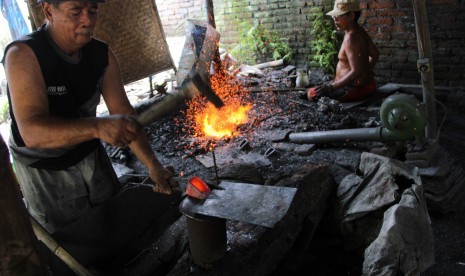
(244, 144)
(190, 88)
(269, 152)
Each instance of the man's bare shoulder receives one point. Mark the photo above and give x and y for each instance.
(357, 34)
(18, 52)
(356, 38)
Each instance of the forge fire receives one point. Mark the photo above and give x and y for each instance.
(213, 123)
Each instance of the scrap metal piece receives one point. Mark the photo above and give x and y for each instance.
(269, 152)
(244, 144)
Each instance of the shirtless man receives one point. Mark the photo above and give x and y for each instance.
(358, 55)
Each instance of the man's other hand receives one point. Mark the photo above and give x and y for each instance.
(161, 179)
(323, 90)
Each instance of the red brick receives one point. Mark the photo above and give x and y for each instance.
(381, 36)
(368, 13)
(382, 5)
(371, 29)
(380, 21)
(391, 29)
(391, 13)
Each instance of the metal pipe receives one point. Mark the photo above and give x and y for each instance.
(380, 134)
(403, 118)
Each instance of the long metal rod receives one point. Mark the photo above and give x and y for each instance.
(215, 167)
(427, 77)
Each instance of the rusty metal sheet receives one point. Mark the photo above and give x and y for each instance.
(251, 203)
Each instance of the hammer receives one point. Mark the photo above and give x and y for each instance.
(189, 89)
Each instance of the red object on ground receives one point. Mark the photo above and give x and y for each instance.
(197, 188)
(311, 93)
(352, 93)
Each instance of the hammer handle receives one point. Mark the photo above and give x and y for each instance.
(162, 108)
(172, 101)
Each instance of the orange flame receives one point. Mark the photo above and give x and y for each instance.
(214, 123)
(219, 123)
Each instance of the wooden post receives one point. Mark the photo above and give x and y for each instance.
(426, 61)
(209, 9)
(18, 244)
(210, 13)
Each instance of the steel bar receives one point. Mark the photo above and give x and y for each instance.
(427, 76)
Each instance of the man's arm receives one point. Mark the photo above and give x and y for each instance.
(30, 106)
(117, 102)
(373, 52)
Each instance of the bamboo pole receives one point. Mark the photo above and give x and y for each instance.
(18, 245)
(426, 61)
(59, 251)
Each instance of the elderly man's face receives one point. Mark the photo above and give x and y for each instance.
(74, 20)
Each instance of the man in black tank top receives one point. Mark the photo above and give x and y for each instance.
(56, 76)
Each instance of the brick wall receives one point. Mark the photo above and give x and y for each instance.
(390, 23)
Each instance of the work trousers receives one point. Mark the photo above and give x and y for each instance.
(58, 198)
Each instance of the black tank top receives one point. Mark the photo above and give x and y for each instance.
(73, 89)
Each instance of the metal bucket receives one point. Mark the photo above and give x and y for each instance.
(207, 239)
(207, 234)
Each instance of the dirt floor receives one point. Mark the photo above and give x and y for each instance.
(277, 113)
